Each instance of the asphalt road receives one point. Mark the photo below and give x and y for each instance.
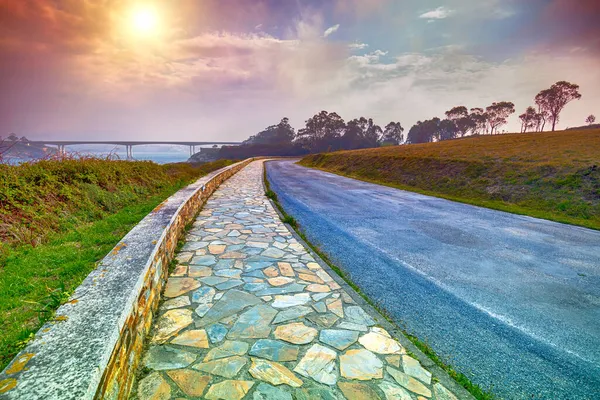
(512, 302)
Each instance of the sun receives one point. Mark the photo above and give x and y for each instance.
(145, 20)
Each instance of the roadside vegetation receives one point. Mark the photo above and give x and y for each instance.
(550, 175)
(58, 218)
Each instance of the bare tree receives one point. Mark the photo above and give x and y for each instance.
(554, 99)
(498, 114)
(590, 119)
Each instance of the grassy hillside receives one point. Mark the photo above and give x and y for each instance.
(551, 175)
(58, 218)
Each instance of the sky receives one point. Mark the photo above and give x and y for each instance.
(225, 69)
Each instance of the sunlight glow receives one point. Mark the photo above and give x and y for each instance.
(145, 20)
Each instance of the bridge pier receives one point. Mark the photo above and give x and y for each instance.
(192, 150)
(129, 149)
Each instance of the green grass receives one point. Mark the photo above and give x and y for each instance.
(477, 392)
(38, 276)
(550, 175)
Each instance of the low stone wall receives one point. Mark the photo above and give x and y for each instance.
(91, 349)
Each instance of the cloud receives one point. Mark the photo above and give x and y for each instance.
(438, 13)
(357, 46)
(331, 30)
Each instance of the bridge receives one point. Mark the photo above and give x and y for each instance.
(60, 144)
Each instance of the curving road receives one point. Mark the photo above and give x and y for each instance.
(512, 302)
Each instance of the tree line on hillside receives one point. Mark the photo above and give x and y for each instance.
(327, 131)
(324, 131)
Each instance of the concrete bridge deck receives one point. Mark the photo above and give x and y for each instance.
(249, 313)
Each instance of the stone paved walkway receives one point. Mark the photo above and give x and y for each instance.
(248, 313)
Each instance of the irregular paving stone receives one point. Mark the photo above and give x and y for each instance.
(255, 287)
(320, 296)
(202, 309)
(353, 327)
(320, 307)
(178, 286)
(326, 320)
(317, 288)
(336, 307)
(273, 253)
(286, 269)
(315, 393)
(273, 372)
(214, 280)
(338, 338)
(280, 281)
(216, 333)
(361, 365)
(296, 333)
(310, 278)
(393, 392)
(228, 349)
(154, 387)
(206, 261)
(230, 284)
(203, 295)
(380, 343)
(170, 323)
(413, 368)
(358, 391)
(229, 390)
(229, 273)
(264, 391)
(165, 357)
(271, 272)
(216, 248)
(319, 364)
(291, 313)
(231, 303)
(199, 271)
(442, 393)
(254, 323)
(393, 360)
(292, 288)
(192, 383)
(409, 382)
(357, 315)
(193, 338)
(180, 270)
(178, 302)
(225, 367)
(274, 350)
(285, 301)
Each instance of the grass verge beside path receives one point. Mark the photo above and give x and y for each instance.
(549, 175)
(474, 389)
(36, 280)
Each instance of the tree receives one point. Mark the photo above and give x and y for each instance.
(460, 116)
(393, 134)
(554, 100)
(322, 131)
(498, 113)
(528, 119)
(12, 137)
(430, 130)
(373, 134)
(479, 120)
(590, 120)
(280, 134)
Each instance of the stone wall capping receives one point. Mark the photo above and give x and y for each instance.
(91, 348)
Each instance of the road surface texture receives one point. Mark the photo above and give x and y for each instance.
(512, 302)
(248, 313)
